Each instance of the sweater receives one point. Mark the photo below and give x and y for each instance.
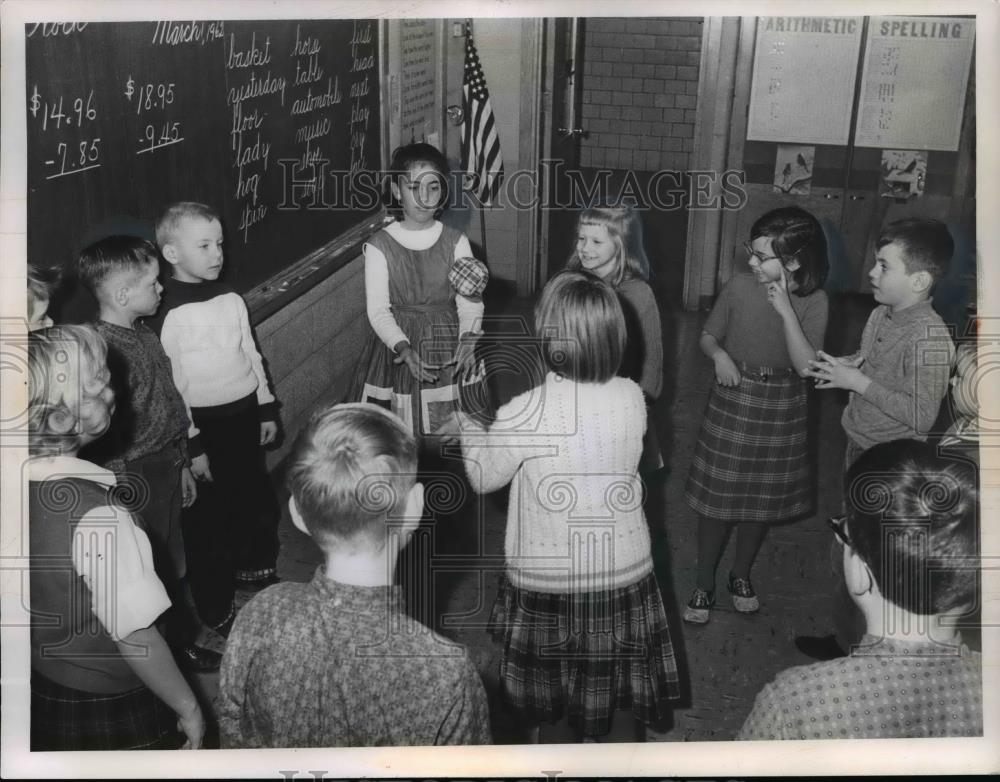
(150, 413)
(908, 357)
(643, 360)
(570, 452)
(205, 330)
(92, 576)
(750, 329)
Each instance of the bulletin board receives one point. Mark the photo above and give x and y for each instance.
(804, 73)
(419, 78)
(914, 81)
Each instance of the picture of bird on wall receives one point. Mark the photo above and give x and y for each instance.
(793, 169)
(904, 173)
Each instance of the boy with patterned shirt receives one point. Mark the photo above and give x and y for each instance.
(336, 662)
(231, 532)
(909, 549)
(899, 376)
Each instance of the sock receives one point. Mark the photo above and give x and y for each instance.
(749, 538)
(712, 537)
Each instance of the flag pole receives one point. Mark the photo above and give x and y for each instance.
(480, 143)
(482, 226)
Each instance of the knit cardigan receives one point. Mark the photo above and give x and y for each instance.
(570, 452)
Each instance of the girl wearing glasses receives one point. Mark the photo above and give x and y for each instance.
(751, 465)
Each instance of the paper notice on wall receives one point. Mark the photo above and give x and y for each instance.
(804, 72)
(793, 167)
(419, 83)
(913, 83)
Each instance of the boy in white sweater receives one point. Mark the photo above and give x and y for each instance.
(231, 531)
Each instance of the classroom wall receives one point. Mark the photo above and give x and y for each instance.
(640, 85)
(644, 69)
(503, 45)
(310, 348)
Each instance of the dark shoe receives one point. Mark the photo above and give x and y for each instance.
(744, 598)
(198, 659)
(257, 584)
(819, 647)
(698, 606)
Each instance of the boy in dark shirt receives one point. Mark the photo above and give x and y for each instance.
(232, 531)
(147, 443)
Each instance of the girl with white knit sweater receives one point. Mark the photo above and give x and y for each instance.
(586, 647)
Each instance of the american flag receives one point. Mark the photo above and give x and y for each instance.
(482, 160)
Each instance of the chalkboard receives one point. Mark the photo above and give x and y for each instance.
(276, 124)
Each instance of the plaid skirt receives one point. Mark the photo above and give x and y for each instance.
(63, 718)
(751, 462)
(584, 655)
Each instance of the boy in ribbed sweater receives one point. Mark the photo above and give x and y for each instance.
(232, 531)
(146, 445)
(897, 378)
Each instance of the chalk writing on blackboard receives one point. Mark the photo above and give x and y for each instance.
(50, 29)
(306, 52)
(362, 63)
(58, 116)
(174, 33)
(251, 150)
(124, 117)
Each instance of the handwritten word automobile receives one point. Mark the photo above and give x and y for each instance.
(308, 71)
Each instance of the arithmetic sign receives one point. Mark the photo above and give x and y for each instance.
(804, 73)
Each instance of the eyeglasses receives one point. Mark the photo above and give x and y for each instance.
(839, 526)
(765, 258)
(760, 258)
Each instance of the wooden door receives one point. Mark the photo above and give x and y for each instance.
(561, 132)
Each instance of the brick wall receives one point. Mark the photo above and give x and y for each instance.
(640, 85)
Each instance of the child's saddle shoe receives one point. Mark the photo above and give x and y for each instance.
(744, 598)
(698, 607)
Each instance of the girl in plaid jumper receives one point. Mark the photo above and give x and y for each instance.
(751, 464)
(586, 647)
